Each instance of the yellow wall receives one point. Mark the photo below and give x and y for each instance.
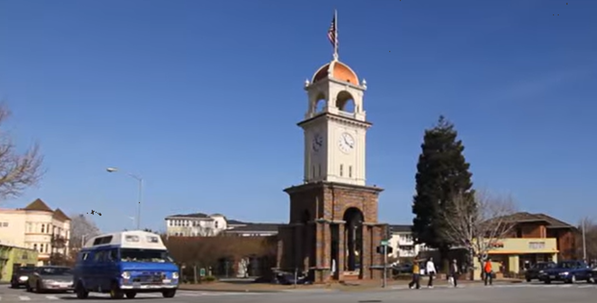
(512, 248)
(10, 255)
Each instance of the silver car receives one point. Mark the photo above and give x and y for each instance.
(50, 278)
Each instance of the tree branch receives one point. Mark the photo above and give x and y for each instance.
(18, 171)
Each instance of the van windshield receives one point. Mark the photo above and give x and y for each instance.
(144, 255)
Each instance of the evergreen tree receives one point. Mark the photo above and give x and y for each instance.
(442, 172)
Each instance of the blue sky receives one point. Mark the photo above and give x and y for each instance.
(202, 98)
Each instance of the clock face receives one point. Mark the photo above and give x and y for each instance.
(346, 142)
(317, 142)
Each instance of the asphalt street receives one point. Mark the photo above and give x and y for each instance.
(528, 293)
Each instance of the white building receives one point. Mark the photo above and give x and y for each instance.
(403, 243)
(195, 225)
(202, 225)
(38, 227)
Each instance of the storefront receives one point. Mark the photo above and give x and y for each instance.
(511, 256)
(12, 257)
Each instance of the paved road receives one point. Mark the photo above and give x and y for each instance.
(528, 293)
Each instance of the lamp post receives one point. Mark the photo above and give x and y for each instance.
(140, 181)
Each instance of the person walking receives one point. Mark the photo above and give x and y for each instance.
(488, 271)
(454, 273)
(430, 268)
(416, 275)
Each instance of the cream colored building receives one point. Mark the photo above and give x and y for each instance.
(37, 227)
(508, 255)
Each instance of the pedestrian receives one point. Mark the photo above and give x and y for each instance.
(430, 268)
(454, 273)
(488, 271)
(416, 275)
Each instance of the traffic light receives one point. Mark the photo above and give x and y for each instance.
(388, 232)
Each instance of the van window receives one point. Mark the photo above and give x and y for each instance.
(84, 256)
(99, 256)
(112, 255)
(144, 255)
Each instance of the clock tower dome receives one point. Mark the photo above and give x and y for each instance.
(335, 126)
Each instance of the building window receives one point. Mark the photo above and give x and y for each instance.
(41, 248)
(341, 170)
(4, 224)
(43, 228)
(519, 232)
(350, 171)
(35, 246)
(217, 224)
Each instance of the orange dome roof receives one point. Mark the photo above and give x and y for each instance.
(339, 71)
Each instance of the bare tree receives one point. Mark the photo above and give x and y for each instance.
(18, 171)
(81, 229)
(479, 222)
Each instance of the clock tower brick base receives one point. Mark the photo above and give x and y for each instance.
(333, 232)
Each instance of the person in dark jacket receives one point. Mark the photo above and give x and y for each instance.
(454, 273)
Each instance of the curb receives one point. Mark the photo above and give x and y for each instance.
(231, 290)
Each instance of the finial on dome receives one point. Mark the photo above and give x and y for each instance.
(364, 83)
(307, 83)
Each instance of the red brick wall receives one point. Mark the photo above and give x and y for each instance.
(566, 241)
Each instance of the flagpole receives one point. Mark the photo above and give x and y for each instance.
(336, 34)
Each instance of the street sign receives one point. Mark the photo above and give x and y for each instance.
(384, 243)
(202, 272)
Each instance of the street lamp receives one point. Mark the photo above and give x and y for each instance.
(140, 180)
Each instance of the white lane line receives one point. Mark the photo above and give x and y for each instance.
(52, 298)
(24, 298)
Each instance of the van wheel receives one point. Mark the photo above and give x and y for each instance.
(116, 292)
(81, 292)
(130, 294)
(169, 293)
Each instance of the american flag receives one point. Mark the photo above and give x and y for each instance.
(332, 32)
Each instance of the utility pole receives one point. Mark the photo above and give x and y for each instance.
(584, 239)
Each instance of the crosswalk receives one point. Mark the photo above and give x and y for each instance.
(516, 285)
(18, 297)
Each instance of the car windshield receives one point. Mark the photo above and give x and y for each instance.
(25, 270)
(566, 265)
(544, 265)
(54, 271)
(145, 255)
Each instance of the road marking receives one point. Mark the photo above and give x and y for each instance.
(24, 298)
(52, 298)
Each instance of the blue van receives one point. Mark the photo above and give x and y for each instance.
(125, 263)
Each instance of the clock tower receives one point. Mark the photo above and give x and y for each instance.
(335, 126)
(333, 230)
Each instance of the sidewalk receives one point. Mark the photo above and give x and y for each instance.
(348, 286)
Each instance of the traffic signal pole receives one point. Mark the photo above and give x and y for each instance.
(385, 265)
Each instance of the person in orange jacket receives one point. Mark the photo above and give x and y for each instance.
(488, 271)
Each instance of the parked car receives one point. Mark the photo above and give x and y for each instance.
(285, 278)
(20, 276)
(567, 271)
(533, 272)
(50, 278)
(402, 268)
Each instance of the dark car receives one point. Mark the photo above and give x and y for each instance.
(567, 271)
(285, 278)
(50, 278)
(20, 276)
(533, 272)
(402, 268)
(594, 275)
